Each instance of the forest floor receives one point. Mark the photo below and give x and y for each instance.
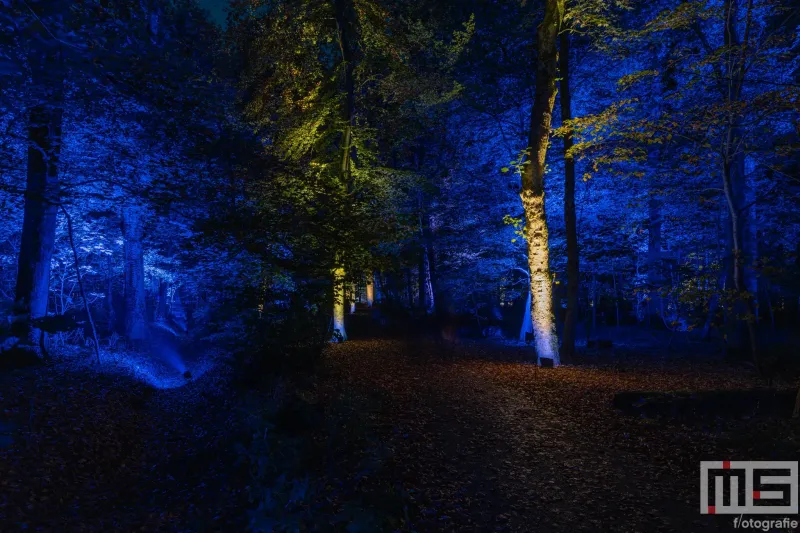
(394, 435)
(482, 441)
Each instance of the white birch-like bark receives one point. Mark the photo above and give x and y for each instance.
(542, 317)
(533, 189)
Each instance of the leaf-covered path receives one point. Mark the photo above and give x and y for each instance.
(482, 444)
(391, 435)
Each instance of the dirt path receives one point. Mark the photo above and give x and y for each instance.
(484, 445)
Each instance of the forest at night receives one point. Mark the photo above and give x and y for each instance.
(398, 265)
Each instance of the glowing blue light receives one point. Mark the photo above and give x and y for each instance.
(164, 370)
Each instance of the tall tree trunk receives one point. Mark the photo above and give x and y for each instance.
(532, 193)
(112, 320)
(382, 292)
(426, 295)
(425, 301)
(747, 199)
(338, 304)
(733, 165)
(745, 300)
(422, 303)
(387, 289)
(616, 294)
(409, 291)
(343, 15)
(654, 274)
(135, 302)
(86, 307)
(592, 329)
(42, 193)
(162, 310)
(433, 280)
(370, 289)
(570, 217)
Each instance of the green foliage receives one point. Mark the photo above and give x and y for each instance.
(323, 107)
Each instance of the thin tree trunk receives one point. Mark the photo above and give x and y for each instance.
(768, 295)
(738, 274)
(655, 277)
(712, 310)
(135, 302)
(338, 304)
(527, 325)
(433, 279)
(387, 292)
(42, 193)
(382, 293)
(733, 164)
(112, 321)
(370, 289)
(616, 295)
(422, 300)
(594, 307)
(427, 264)
(409, 292)
(162, 311)
(748, 200)
(80, 284)
(570, 218)
(426, 301)
(532, 193)
(796, 411)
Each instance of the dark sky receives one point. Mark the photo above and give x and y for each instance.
(217, 9)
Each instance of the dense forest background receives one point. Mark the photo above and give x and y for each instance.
(195, 176)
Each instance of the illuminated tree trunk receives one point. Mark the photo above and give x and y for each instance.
(570, 218)
(135, 306)
(42, 193)
(427, 301)
(527, 325)
(433, 279)
(370, 289)
(422, 282)
(428, 267)
(338, 303)
(343, 15)
(532, 193)
(352, 298)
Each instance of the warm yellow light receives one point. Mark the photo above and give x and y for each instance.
(338, 302)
